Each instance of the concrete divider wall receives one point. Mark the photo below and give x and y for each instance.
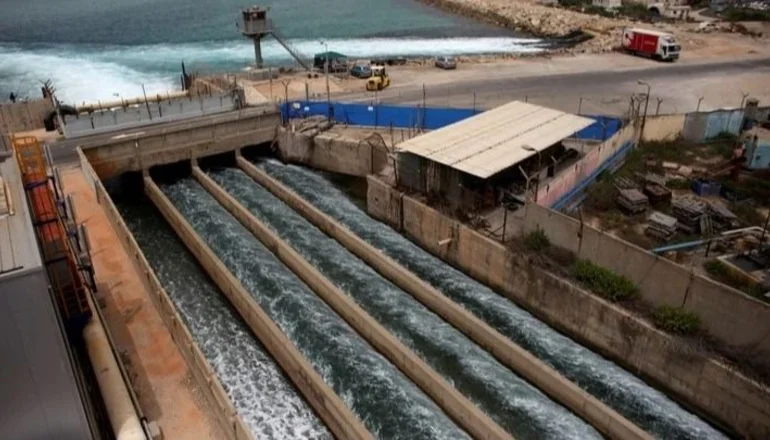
(203, 138)
(202, 373)
(729, 315)
(457, 406)
(711, 387)
(328, 152)
(381, 203)
(337, 417)
(24, 116)
(603, 418)
(663, 127)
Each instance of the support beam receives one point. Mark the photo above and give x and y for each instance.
(600, 416)
(336, 415)
(467, 415)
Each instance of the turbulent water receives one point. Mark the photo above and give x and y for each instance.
(630, 396)
(511, 402)
(97, 50)
(261, 394)
(387, 402)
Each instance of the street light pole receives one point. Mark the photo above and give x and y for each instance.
(326, 73)
(646, 104)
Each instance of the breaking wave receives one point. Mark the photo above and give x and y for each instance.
(97, 72)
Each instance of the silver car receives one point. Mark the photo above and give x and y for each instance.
(446, 63)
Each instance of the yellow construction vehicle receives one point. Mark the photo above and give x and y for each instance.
(379, 79)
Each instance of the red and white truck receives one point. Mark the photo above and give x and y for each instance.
(649, 43)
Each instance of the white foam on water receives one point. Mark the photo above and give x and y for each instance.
(88, 73)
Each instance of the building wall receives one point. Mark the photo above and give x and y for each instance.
(24, 116)
(729, 315)
(682, 371)
(39, 398)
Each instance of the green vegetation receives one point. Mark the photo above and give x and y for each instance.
(537, 241)
(676, 320)
(747, 213)
(720, 272)
(741, 14)
(604, 282)
(679, 183)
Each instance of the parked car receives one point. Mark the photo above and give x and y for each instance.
(361, 71)
(446, 63)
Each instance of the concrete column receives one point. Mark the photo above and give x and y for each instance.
(258, 51)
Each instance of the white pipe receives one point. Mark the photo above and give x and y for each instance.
(129, 101)
(120, 409)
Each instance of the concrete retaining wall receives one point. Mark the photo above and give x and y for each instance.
(729, 315)
(201, 138)
(603, 418)
(663, 128)
(335, 414)
(332, 152)
(703, 383)
(465, 413)
(24, 116)
(157, 110)
(202, 373)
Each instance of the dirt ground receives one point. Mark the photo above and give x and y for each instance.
(157, 370)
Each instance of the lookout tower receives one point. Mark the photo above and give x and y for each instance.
(255, 26)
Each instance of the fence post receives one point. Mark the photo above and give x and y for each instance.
(580, 105)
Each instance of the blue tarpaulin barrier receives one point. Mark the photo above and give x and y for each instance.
(429, 118)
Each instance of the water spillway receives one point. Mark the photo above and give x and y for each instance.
(259, 391)
(627, 394)
(511, 402)
(389, 405)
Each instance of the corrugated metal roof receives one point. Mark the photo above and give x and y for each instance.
(492, 141)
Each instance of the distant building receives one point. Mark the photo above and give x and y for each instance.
(607, 4)
(757, 145)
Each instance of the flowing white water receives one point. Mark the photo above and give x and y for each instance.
(101, 72)
(510, 401)
(629, 395)
(386, 401)
(261, 394)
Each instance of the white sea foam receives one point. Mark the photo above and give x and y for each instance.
(90, 73)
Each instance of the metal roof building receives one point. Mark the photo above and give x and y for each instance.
(490, 142)
(464, 162)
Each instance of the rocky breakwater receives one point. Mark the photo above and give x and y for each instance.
(541, 20)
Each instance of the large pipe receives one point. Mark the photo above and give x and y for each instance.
(117, 399)
(90, 107)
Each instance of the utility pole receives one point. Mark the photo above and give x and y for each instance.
(646, 104)
(697, 109)
(657, 109)
(326, 73)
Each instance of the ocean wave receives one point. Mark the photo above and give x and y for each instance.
(93, 72)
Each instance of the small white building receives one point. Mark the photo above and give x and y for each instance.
(607, 4)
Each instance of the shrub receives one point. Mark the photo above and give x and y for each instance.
(604, 282)
(720, 272)
(679, 183)
(740, 14)
(676, 320)
(537, 241)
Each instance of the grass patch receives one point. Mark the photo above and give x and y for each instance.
(747, 213)
(741, 14)
(537, 241)
(676, 320)
(679, 183)
(604, 282)
(720, 272)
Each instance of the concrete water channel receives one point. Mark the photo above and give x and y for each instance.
(378, 392)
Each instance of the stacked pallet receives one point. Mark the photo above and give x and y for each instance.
(688, 211)
(661, 226)
(633, 201)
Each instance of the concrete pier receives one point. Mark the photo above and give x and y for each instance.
(463, 411)
(335, 414)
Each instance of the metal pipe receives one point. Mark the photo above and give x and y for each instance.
(117, 400)
(123, 102)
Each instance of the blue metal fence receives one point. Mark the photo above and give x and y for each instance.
(378, 115)
(429, 118)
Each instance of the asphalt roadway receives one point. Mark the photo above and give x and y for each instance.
(606, 91)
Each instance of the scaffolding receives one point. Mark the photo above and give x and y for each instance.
(56, 232)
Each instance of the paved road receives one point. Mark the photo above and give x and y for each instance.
(680, 85)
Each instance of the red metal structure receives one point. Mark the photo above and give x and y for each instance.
(63, 273)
